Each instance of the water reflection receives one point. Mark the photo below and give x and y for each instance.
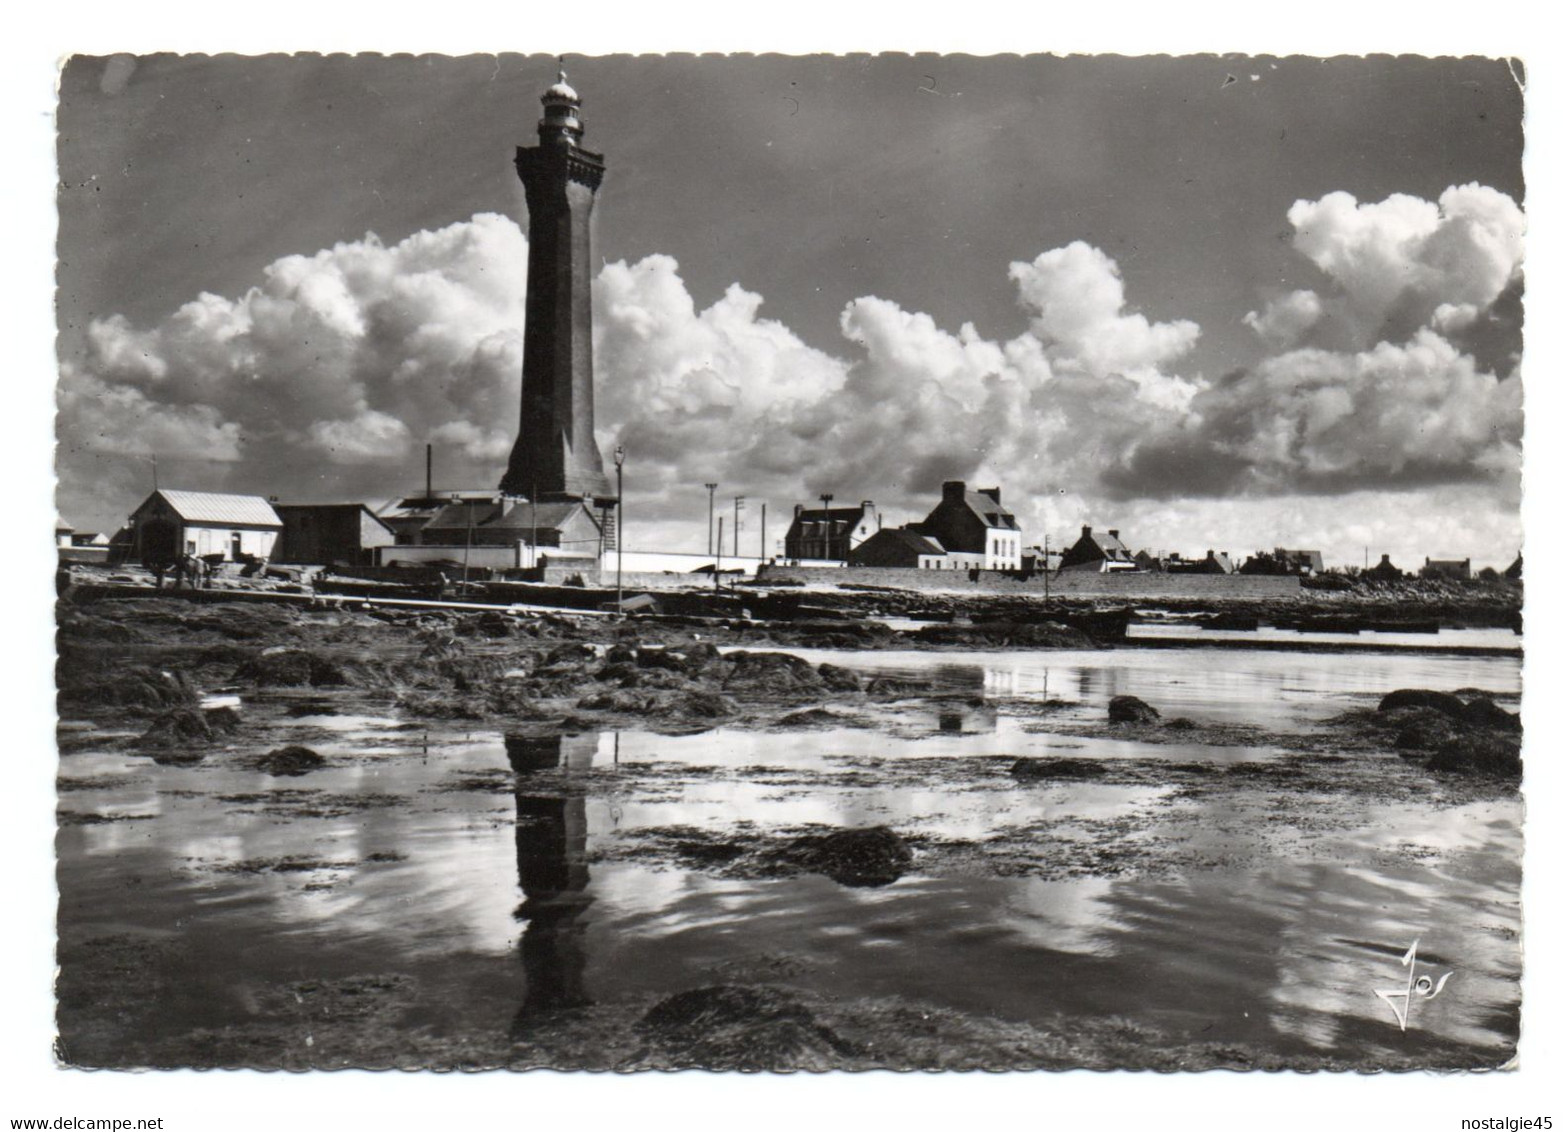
(551, 866)
(1277, 936)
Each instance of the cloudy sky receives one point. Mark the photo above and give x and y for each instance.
(1224, 303)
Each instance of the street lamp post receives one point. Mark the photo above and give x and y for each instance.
(711, 518)
(618, 467)
(825, 498)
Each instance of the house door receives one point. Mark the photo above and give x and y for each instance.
(237, 548)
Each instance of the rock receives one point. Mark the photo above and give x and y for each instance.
(701, 657)
(697, 704)
(839, 679)
(1427, 730)
(774, 673)
(621, 653)
(1182, 724)
(184, 726)
(1421, 697)
(571, 654)
(289, 667)
(1006, 634)
(858, 858)
(895, 688)
(290, 761)
(1495, 755)
(1055, 768)
(813, 717)
(1482, 712)
(662, 658)
(1130, 709)
(739, 1027)
(490, 623)
(133, 687)
(621, 672)
(619, 699)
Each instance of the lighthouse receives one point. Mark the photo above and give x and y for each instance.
(555, 458)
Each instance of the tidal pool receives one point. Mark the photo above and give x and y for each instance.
(488, 875)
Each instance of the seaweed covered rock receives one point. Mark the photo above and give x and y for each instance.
(669, 659)
(621, 653)
(1034, 769)
(696, 704)
(839, 679)
(188, 728)
(572, 656)
(1480, 711)
(134, 687)
(1130, 709)
(858, 858)
(490, 624)
(1480, 738)
(1425, 729)
(738, 1027)
(1493, 754)
(770, 673)
(897, 688)
(816, 717)
(617, 700)
(290, 668)
(290, 761)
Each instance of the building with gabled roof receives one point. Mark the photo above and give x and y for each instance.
(898, 547)
(1098, 553)
(570, 526)
(829, 534)
(974, 522)
(171, 523)
(1451, 569)
(330, 534)
(1212, 563)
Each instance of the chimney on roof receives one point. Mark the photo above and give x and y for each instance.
(954, 491)
(1112, 532)
(992, 492)
(1383, 560)
(1085, 532)
(1210, 555)
(797, 511)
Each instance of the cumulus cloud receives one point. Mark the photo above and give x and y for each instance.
(1311, 421)
(1287, 318)
(725, 393)
(1077, 295)
(348, 356)
(325, 378)
(1396, 261)
(1401, 377)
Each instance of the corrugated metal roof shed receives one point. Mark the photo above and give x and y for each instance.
(211, 507)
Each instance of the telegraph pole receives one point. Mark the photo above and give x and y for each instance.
(825, 498)
(716, 568)
(618, 540)
(762, 532)
(1047, 571)
(738, 505)
(711, 519)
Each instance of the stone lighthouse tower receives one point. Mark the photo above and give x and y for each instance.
(556, 457)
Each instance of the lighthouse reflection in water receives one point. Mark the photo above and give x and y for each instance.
(551, 865)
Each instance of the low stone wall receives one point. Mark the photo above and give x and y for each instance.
(1069, 584)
